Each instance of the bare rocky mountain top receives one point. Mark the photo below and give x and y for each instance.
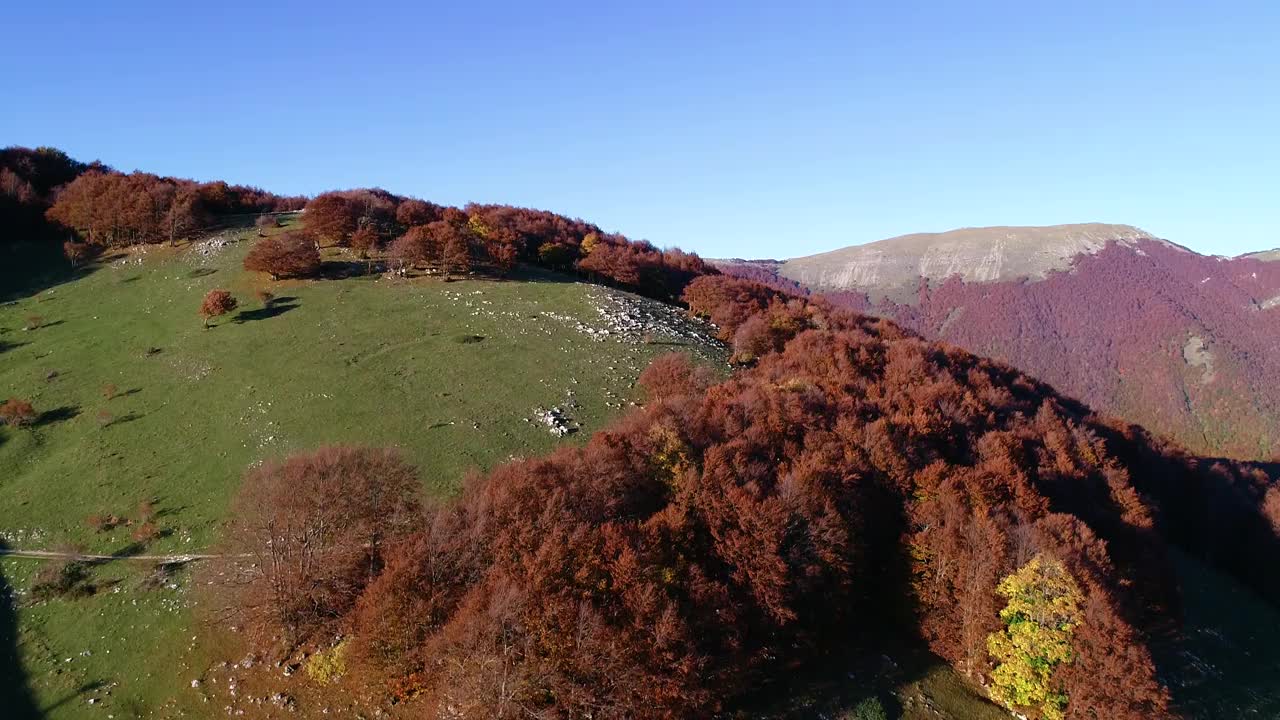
(892, 268)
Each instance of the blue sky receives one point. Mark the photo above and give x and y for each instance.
(732, 130)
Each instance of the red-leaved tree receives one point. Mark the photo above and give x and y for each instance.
(287, 255)
(315, 525)
(215, 304)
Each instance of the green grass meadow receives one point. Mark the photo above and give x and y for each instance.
(451, 373)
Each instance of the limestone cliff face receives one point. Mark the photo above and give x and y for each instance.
(893, 268)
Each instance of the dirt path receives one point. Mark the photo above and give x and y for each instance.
(90, 557)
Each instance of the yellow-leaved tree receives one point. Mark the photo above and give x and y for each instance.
(1042, 614)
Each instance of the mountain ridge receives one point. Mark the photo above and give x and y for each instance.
(1272, 255)
(1139, 327)
(891, 268)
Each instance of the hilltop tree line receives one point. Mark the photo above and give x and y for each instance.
(110, 209)
(421, 235)
(28, 180)
(48, 197)
(852, 477)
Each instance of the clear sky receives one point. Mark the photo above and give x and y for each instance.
(728, 129)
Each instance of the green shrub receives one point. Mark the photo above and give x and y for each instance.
(328, 665)
(868, 709)
(61, 579)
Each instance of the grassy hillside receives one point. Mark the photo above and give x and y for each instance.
(453, 373)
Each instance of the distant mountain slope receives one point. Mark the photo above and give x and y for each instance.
(1266, 255)
(892, 268)
(1184, 344)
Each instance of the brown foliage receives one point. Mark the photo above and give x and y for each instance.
(336, 216)
(413, 212)
(109, 391)
(331, 216)
(1135, 365)
(266, 222)
(109, 208)
(728, 301)
(287, 255)
(718, 536)
(16, 412)
(145, 532)
(28, 179)
(77, 253)
(417, 247)
(455, 256)
(659, 273)
(315, 525)
(216, 303)
(1271, 507)
(365, 240)
(103, 522)
(722, 536)
(674, 375)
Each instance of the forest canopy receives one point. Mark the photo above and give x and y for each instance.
(853, 478)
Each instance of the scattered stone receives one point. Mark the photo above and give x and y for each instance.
(212, 246)
(556, 421)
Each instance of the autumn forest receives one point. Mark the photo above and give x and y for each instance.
(842, 485)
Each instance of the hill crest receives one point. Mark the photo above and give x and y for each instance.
(1272, 255)
(893, 267)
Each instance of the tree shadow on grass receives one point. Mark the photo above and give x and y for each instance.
(15, 692)
(1222, 663)
(264, 313)
(537, 274)
(168, 512)
(59, 414)
(135, 547)
(126, 418)
(6, 346)
(161, 510)
(27, 269)
(339, 269)
(84, 689)
(202, 272)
